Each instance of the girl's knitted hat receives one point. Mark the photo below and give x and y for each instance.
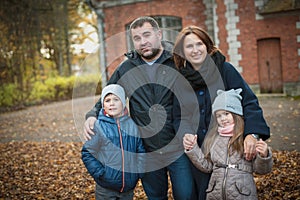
(116, 90)
(228, 100)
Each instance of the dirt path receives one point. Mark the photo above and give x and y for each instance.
(283, 117)
(62, 121)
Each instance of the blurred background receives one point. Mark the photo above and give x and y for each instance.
(48, 48)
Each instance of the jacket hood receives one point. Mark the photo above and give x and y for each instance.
(167, 45)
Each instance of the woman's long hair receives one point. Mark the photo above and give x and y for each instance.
(178, 53)
(236, 143)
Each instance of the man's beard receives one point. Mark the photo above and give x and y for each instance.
(154, 53)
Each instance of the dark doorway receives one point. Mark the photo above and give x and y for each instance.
(269, 64)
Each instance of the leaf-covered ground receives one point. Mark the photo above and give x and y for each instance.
(54, 170)
(40, 152)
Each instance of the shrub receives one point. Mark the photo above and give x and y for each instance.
(9, 95)
(52, 89)
(41, 92)
(86, 86)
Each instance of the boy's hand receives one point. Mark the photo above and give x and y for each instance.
(262, 148)
(88, 127)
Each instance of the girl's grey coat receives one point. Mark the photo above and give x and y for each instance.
(232, 176)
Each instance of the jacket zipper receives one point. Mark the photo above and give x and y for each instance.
(122, 150)
(225, 175)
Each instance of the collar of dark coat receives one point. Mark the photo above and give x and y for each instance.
(167, 54)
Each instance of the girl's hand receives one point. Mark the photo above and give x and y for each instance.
(189, 141)
(262, 148)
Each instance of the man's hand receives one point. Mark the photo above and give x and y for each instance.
(88, 127)
(189, 141)
(250, 147)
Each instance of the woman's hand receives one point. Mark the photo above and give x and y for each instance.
(249, 147)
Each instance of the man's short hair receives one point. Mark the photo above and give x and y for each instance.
(139, 22)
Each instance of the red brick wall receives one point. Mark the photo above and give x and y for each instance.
(192, 12)
(222, 21)
(248, 48)
(117, 17)
(283, 27)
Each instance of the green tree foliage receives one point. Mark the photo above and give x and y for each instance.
(35, 44)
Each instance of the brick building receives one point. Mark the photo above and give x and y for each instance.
(261, 38)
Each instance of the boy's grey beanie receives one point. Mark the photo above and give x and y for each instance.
(116, 90)
(228, 100)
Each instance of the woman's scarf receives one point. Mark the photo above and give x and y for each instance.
(208, 73)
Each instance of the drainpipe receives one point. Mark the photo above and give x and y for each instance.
(100, 22)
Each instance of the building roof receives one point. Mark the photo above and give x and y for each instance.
(278, 6)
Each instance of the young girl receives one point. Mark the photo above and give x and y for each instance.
(112, 155)
(223, 152)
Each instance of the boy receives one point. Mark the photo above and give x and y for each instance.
(111, 156)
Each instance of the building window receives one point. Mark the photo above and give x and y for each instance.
(169, 25)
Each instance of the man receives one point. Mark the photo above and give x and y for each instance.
(150, 80)
(147, 77)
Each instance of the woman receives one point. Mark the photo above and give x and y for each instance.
(203, 65)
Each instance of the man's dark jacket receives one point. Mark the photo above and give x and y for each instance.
(150, 102)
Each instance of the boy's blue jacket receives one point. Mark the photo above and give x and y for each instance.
(113, 156)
